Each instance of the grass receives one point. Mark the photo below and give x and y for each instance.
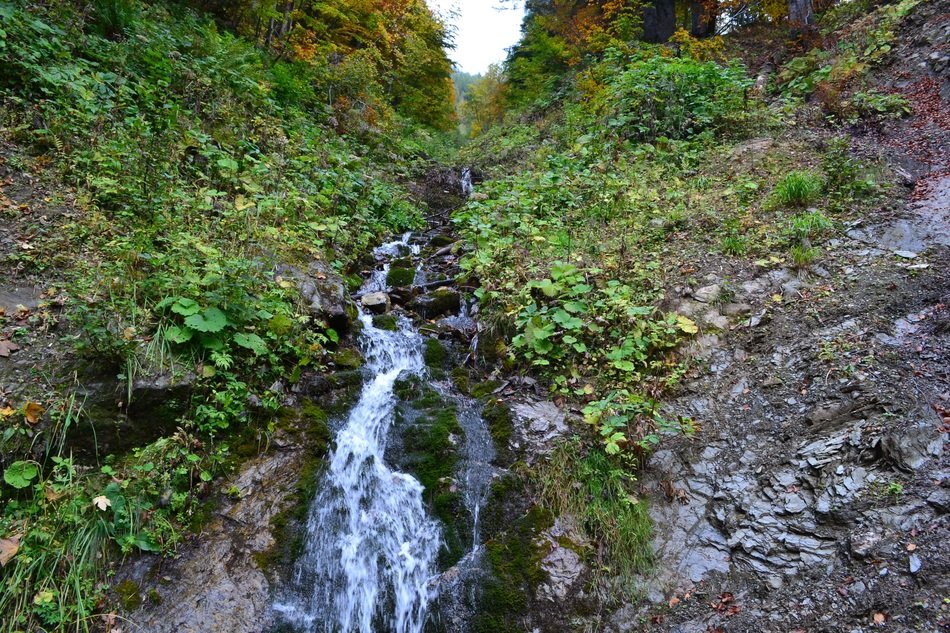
(797, 189)
(591, 487)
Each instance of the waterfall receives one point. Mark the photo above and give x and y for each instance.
(466, 182)
(370, 546)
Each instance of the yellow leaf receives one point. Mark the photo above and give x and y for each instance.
(6, 412)
(32, 412)
(777, 298)
(686, 324)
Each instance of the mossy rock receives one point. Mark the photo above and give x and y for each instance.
(434, 353)
(439, 302)
(128, 593)
(441, 240)
(347, 358)
(462, 380)
(386, 322)
(485, 389)
(498, 417)
(515, 558)
(400, 277)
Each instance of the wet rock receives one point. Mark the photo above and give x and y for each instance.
(376, 302)
(439, 302)
(400, 277)
(214, 584)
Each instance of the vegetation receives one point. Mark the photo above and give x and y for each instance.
(204, 164)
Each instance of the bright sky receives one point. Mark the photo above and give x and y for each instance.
(484, 29)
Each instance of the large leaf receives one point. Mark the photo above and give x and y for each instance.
(185, 307)
(20, 474)
(566, 320)
(210, 321)
(252, 342)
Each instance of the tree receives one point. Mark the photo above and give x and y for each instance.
(801, 14)
(659, 20)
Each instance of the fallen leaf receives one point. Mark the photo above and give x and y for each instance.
(7, 347)
(52, 495)
(6, 412)
(32, 412)
(674, 601)
(911, 547)
(8, 549)
(102, 502)
(879, 619)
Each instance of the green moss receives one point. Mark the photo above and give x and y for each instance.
(498, 417)
(485, 389)
(441, 240)
(386, 322)
(128, 593)
(400, 277)
(347, 358)
(515, 560)
(434, 353)
(461, 380)
(154, 597)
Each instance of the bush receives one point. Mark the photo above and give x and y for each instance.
(676, 97)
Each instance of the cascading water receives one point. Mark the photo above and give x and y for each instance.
(370, 546)
(466, 183)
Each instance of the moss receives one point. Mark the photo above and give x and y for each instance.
(441, 240)
(400, 277)
(515, 560)
(485, 389)
(154, 597)
(461, 380)
(386, 322)
(347, 358)
(434, 353)
(128, 594)
(498, 417)
(353, 282)
(431, 456)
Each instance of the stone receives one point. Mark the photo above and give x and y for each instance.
(708, 294)
(376, 302)
(564, 568)
(863, 544)
(539, 424)
(736, 309)
(325, 293)
(913, 563)
(940, 500)
(439, 302)
(910, 448)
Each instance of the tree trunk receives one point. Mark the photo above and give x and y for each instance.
(801, 14)
(659, 20)
(703, 19)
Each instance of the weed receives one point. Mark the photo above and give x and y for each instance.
(797, 188)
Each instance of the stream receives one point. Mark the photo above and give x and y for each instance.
(369, 561)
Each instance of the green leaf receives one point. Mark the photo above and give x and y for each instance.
(185, 307)
(210, 321)
(178, 335)
(560, 270)
(20, 474)
(252, 342)
(567, 321)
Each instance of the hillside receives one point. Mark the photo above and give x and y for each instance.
(647, 331)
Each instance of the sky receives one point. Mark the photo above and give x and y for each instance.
(484, 29)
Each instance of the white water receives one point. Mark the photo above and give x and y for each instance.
(370, 546)
(466, 183)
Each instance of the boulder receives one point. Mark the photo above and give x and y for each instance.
(439, 302)
(376, 302)
(325, 293)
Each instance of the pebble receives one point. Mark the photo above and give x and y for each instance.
(913, 562)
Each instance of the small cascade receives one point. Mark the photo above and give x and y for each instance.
(466, 183)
